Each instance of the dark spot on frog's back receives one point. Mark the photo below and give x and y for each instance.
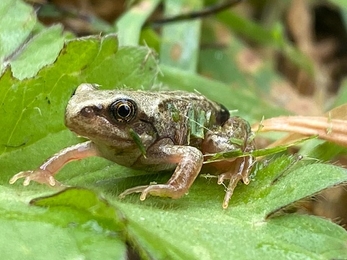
(223, 115)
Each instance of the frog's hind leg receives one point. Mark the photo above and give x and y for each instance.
(240, 171)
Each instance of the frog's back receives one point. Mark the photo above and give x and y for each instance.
(184, 117)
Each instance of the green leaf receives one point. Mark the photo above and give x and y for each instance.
(78, 224)
(340, 3)
(41, 49)
(17, 19)
(130, 24)
(287, 174)
(341, 97)
(49, 42)
(95, 214)
(180, 41)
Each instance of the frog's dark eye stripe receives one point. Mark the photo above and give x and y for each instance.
(123, 110)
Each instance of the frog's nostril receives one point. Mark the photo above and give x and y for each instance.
(87, 111)
(90, 111)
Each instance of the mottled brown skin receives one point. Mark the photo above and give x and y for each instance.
(153, 131)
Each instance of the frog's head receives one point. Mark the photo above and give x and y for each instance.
(106, 117)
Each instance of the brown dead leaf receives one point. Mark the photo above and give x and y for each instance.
(331, 127)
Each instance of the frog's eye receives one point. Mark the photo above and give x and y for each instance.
(123, 110)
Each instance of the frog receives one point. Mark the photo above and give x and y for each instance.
(154, 131)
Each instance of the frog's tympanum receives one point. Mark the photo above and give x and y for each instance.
(152, 131)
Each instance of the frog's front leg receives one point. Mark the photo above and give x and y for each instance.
(189, 162)
(45, 173)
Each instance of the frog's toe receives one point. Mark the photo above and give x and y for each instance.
(40, 176)
(23, 174)
(245, 179)
(230, 190)
(160, 190)
(163, 190)
(137, 189)
(222, 177)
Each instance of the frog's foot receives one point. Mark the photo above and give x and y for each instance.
(243, 166)
(39, 175)
(231, 175)
(160, 190)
